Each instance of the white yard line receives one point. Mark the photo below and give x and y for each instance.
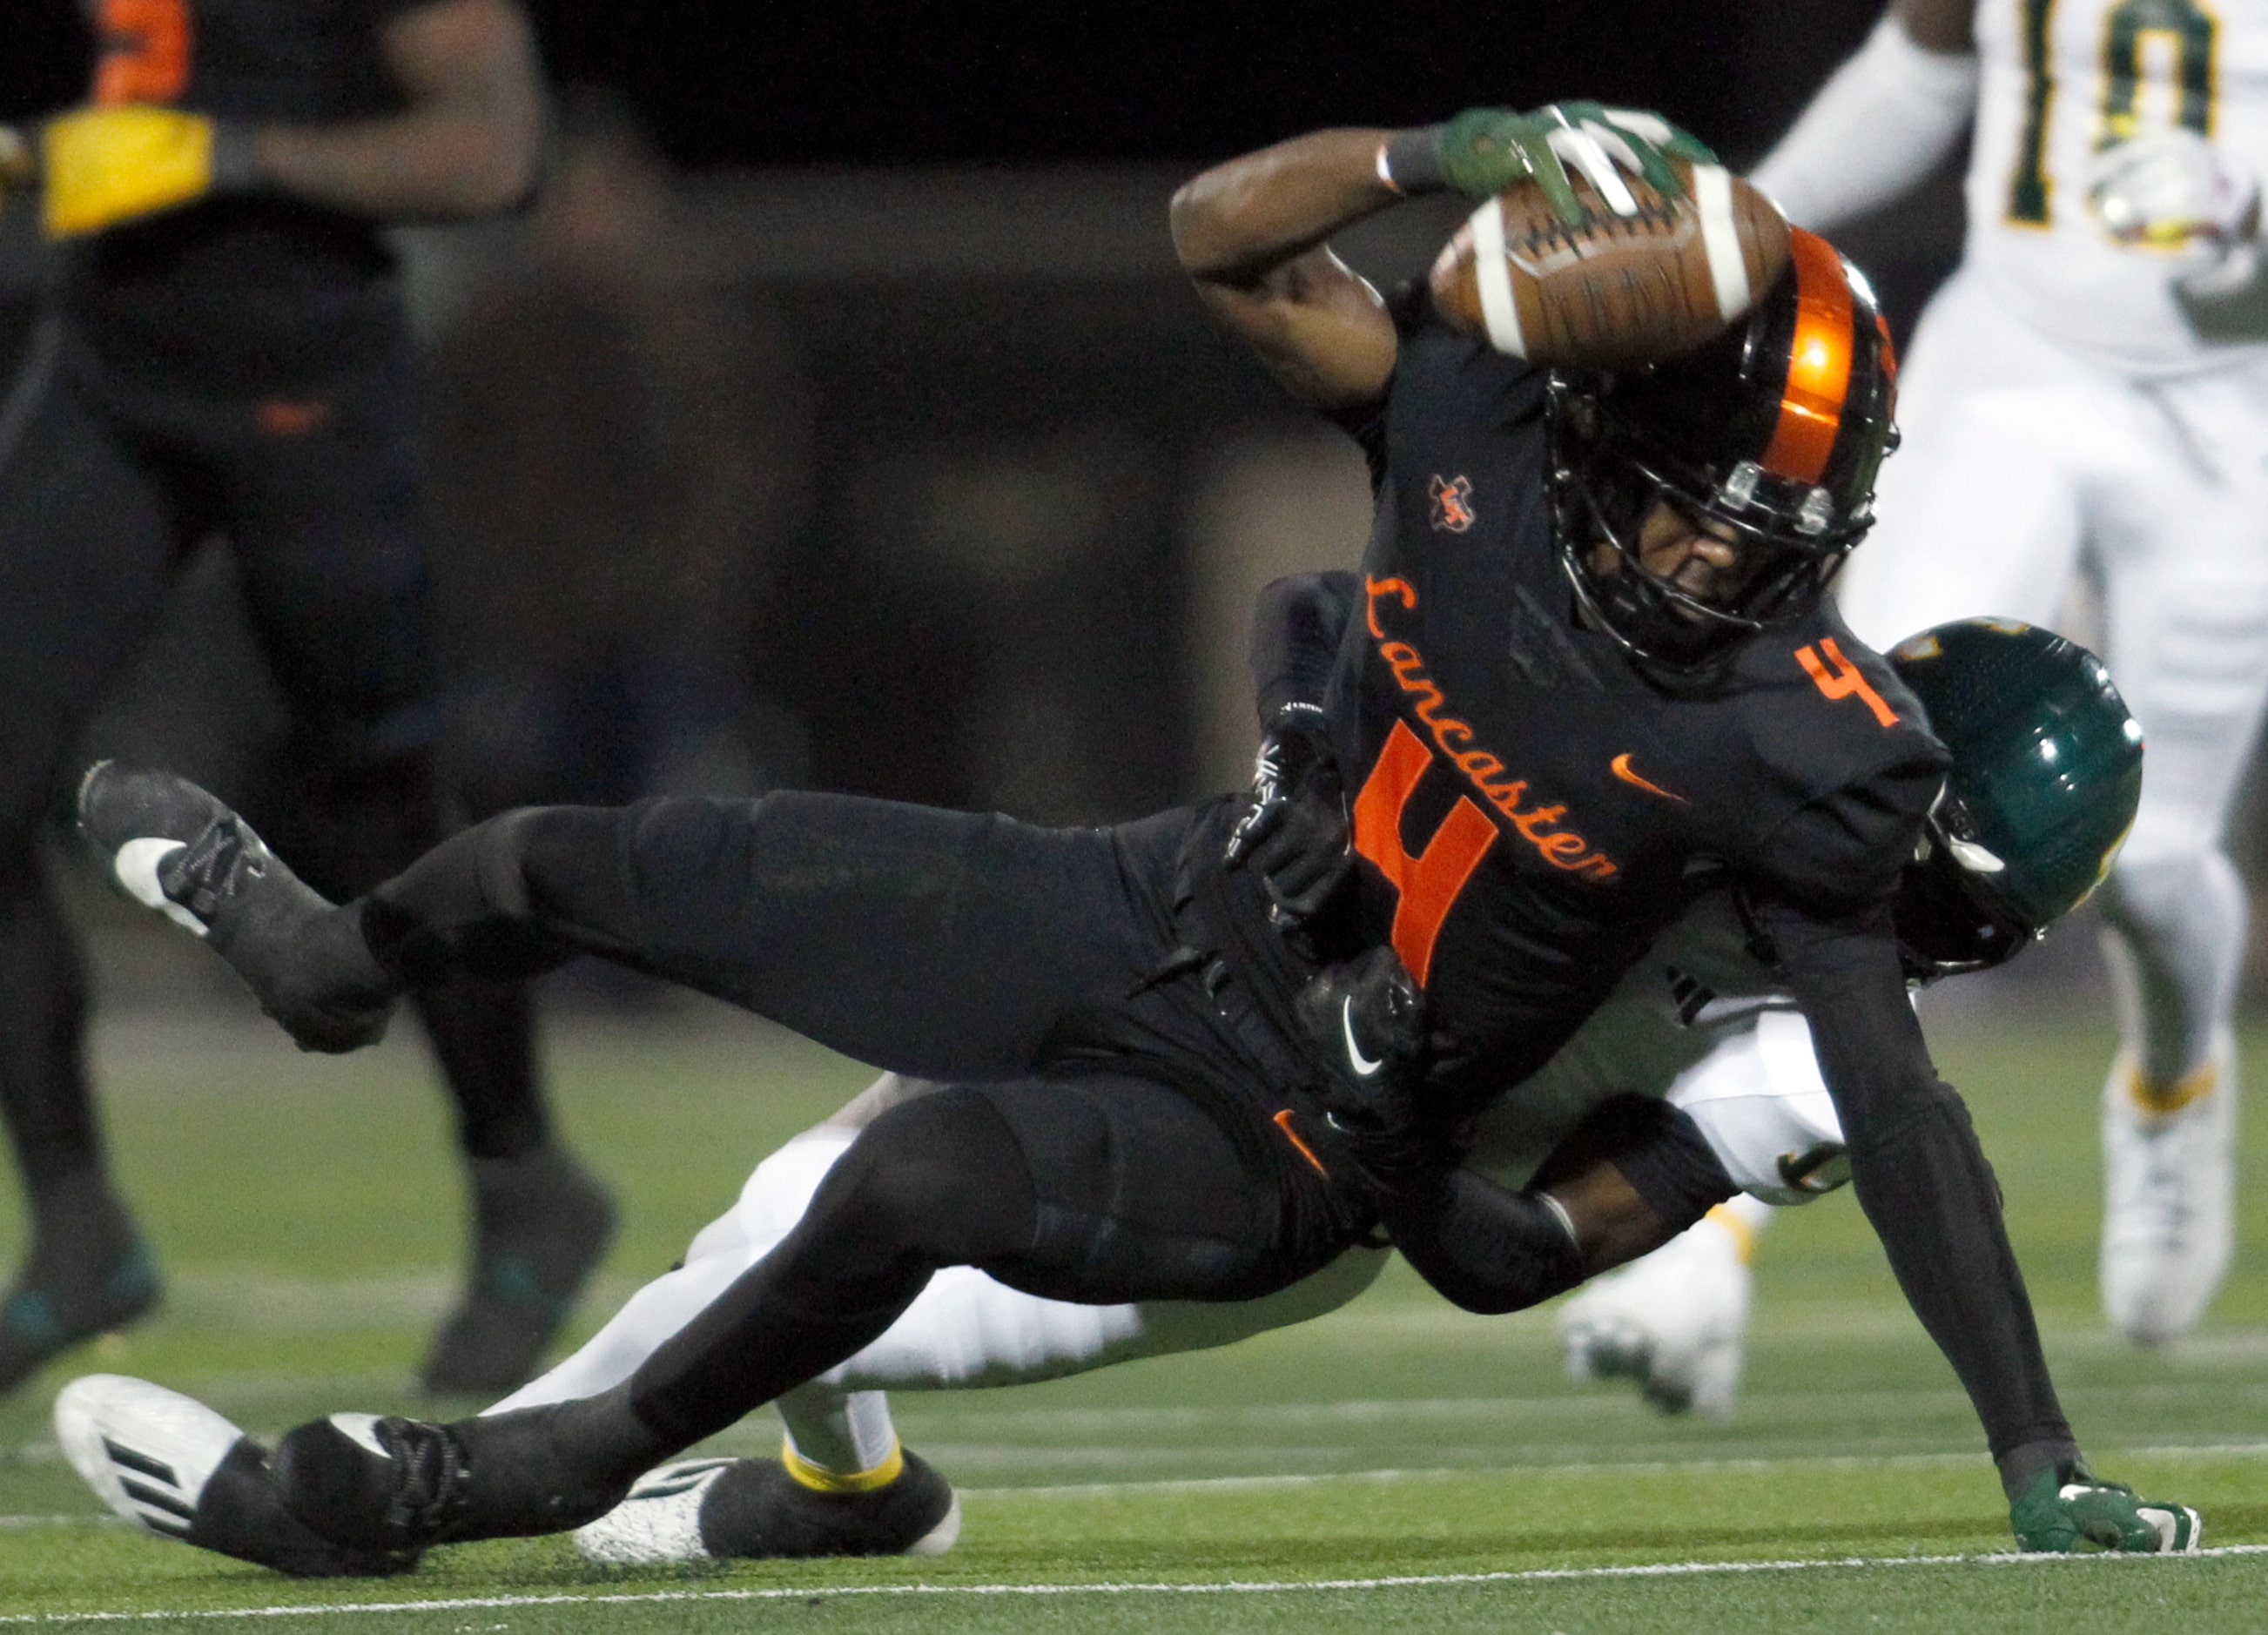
(1601, 1467)
(48, 1453)
(1427, 1580)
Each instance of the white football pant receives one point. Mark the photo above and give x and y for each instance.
(1757, 1097)
(2023, 467)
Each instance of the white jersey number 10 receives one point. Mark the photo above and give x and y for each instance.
(2156, 64)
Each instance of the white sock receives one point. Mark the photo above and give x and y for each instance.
(844, 1434)
(1742, 1218)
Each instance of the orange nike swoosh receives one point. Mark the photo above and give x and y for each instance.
(1622, 769)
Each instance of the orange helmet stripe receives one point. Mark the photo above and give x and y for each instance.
(1819, 362)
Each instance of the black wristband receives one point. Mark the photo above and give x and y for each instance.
(1410, 161)
(235, 167)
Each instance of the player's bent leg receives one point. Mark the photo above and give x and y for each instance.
(172, 1466)
(87, 1270)
(540, 1225)
(174, 848)
(943, 943)
(938, 1181)
(844, 1485)
(2186, 599)
(964, 1329)
(2170, 1103)
(363, 805)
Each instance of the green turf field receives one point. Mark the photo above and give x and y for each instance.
(1399, 1465)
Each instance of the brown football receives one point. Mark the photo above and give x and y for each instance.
(1619, 290)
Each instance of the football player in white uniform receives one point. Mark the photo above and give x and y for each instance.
(2014, 844)
(2089, 393)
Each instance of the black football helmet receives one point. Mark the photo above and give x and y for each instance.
(2046, 774)
(1774, 430)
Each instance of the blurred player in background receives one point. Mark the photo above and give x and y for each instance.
(2088, 393)
(225, 352)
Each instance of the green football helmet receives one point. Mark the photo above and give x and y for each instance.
(2046, 773)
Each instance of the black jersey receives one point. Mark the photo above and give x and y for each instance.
(1530, 805)
(237, 283)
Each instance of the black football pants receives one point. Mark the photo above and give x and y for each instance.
(1041, 972)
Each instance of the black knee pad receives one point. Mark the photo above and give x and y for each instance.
(941, 1178)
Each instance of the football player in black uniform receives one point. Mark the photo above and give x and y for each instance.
(225, 352)
(1591, 668)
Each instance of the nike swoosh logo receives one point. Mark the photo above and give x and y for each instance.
(1364, 1065)
(1621, 768)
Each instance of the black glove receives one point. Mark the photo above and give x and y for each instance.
(1295, 834)
(1368, 1021)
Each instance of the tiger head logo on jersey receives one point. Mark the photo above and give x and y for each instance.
(1453, 503)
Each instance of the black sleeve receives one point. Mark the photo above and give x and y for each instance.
(1483, 1246)
(1845, 849)
(1488, 1249)
(1296, 627)
(1921, 1177)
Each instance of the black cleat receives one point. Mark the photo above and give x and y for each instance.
(540, 1225)
(85, 1275)
(170, 1464)
(172, 847)
(389, 1485)
(744, 1509)
(380, 1486)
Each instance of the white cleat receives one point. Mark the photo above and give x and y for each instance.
(1675, 1321)
(751, 1509)
(167, 1462)
(658, 1521)
(146, 1451)
(2168, 1195)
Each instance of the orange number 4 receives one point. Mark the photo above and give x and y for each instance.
(1429, 882)
(1839, 678)
(145, 50)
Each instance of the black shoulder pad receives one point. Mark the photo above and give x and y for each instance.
(1845, 850)
(1846, 769)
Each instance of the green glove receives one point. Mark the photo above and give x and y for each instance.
(2068, 1512)
(1481, 151)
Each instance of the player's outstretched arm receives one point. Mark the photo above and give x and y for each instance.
(1884, 119)
(465, 142)
(1923, 1181)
